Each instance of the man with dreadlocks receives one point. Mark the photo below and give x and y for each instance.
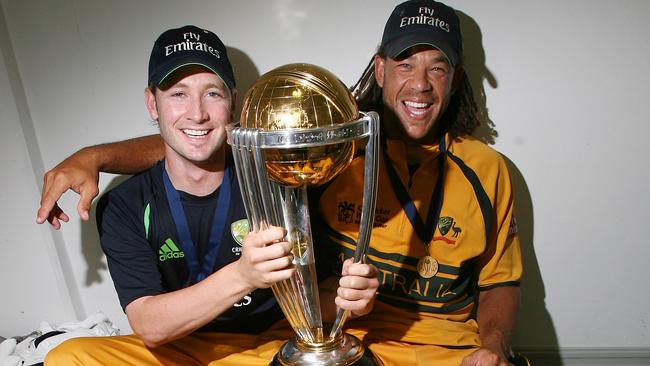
(445, 239)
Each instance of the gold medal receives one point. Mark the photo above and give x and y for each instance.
(427, 266)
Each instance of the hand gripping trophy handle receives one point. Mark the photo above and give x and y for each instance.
(370, 174)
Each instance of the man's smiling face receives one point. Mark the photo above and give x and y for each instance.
(416, 88)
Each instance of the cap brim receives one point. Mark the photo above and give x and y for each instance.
(398, 46)
(172, 65)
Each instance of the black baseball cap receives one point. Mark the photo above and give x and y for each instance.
(189, 45)
(423, 22)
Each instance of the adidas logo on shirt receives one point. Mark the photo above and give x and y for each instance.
(169, 250)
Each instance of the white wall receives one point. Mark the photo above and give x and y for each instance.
(565, 84)
(33, 279)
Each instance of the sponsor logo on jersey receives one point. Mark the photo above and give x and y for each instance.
(169, 250)
(239, 229)
(350, 213)
(346, 212)
(447, 225)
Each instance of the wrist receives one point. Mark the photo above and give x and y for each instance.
(496, 341)
(499, 348)
(92, 157)
(240, 276)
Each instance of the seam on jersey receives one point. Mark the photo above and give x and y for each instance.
(481, 196)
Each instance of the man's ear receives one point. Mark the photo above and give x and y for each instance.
(150, 102)
(380, 62)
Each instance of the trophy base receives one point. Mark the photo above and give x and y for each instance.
(350, 352)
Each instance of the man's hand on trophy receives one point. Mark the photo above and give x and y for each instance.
(357, 287)
(265, 258)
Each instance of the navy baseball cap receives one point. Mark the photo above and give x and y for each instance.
(189, 45)
(423, 22)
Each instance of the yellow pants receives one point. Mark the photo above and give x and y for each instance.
(219, 349)
(388, 352)
(195, 349)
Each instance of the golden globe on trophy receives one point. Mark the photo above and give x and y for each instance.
(298, 129)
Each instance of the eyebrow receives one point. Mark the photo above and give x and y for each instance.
(441, 58)
(181, 84)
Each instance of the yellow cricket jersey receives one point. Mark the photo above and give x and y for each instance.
(474, 243)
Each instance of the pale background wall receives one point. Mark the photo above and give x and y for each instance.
(566, 85)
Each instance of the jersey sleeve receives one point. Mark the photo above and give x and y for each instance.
(131, 260)
(501, 263)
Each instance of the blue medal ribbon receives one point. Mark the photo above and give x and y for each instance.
(200, 269)
(424, 230)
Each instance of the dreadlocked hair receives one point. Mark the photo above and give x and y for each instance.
(461, 117)
(366, 92)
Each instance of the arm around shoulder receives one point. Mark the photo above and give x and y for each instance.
(80, 173)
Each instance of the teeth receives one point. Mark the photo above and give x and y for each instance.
(417, 113)
(411, 104)
(195, 132)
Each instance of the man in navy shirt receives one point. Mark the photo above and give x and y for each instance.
(189, 277)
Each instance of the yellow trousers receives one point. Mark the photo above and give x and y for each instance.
(194, 349)
(390, 353)
(224, 349)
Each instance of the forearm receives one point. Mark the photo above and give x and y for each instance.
(125, 157)
(80, 173)
(265, 259)
(496, 316)
(166, 317)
